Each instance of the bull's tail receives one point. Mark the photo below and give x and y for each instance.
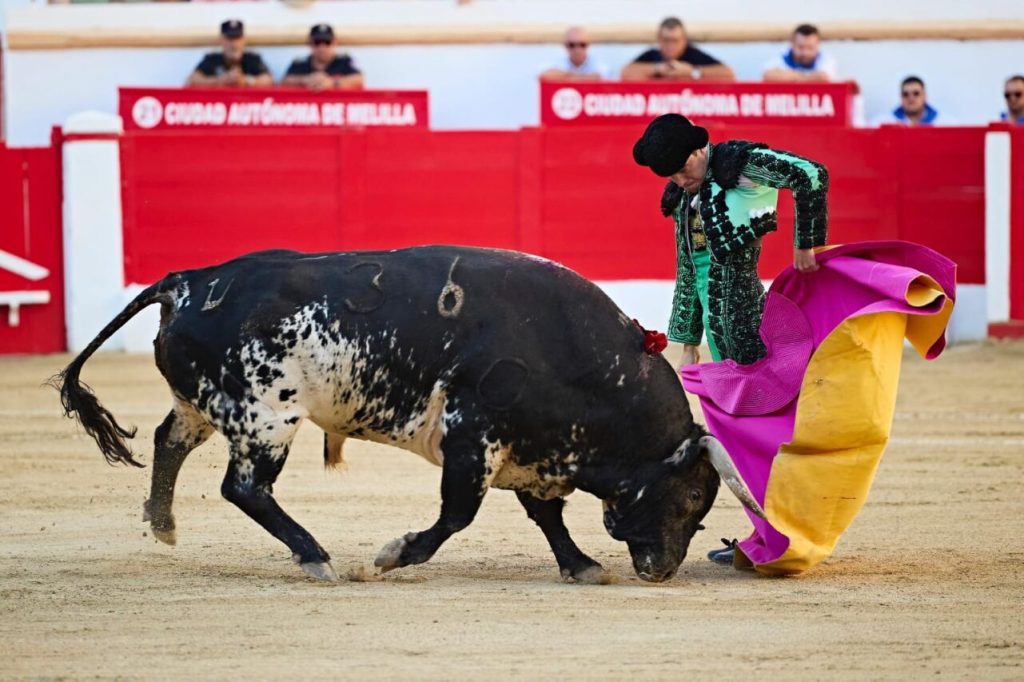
(80, 401)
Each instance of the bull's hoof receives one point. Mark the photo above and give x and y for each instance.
(162, 525)
(321, 570)
(390, 555)
(591, 575)
(165, 535)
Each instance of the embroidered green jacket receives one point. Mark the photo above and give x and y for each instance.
(738, 201)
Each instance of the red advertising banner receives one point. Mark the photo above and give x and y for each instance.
(575, 103)
(222, 108)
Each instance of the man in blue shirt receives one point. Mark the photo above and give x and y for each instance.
(804, 61)
(1013, 91)
(914, 109)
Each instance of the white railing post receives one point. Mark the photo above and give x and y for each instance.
(997, 224)
(93, 244)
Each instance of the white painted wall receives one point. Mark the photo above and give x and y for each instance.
(494, 86)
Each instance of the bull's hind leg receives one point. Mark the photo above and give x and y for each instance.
(468, 469)
(574, 565)
(256, 462)
(182, 431)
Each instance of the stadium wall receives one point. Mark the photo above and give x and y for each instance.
(479, 61)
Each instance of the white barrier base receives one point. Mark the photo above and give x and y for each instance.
(649, 301)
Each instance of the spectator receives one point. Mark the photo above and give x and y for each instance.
(577, 65)
(233, 66)
(804, 61)
(675, 59)
(914, 109)
(1013, 91)
(324, 68)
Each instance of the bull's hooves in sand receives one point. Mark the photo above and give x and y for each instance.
(166, 536)
(595, 575)
(389, 555)
(321, 570)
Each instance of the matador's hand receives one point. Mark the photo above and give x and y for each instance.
(804, 260)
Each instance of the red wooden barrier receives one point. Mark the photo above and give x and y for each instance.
(31, 256)
(574, 195)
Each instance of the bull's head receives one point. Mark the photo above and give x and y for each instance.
(658, 511)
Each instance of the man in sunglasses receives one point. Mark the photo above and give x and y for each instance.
(233, 66)
(324, 68)
(914, 109)
(578, 64)
(1013, 91)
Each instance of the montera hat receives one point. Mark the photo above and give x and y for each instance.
(667, 144)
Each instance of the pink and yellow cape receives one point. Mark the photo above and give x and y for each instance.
(807, 424)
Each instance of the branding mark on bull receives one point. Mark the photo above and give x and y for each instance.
(449, 303)
(212, 302)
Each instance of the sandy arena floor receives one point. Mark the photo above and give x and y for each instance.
(926, 584)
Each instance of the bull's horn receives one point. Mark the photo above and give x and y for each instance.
(723, 464)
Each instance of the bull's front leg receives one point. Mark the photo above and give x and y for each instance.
(574, 565)
(467, 472)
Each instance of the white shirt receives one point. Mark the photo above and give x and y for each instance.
(587, 68)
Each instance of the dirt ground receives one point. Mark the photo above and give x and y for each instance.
(926, 583)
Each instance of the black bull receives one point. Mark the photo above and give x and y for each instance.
(507, 370)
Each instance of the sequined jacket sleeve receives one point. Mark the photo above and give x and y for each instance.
(686, 323)
(808, 181)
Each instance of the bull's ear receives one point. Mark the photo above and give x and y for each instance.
(685, 456)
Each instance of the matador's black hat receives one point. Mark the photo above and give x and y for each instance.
(667, 143)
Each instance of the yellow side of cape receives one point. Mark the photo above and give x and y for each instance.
(820, 480)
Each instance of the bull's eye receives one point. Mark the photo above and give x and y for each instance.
(611, 520)
(696, 494)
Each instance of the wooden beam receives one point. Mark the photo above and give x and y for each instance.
(52, 39)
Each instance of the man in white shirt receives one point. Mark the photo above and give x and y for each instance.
(577, 65)
(804, 61)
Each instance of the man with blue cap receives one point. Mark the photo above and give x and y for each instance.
(233, 66)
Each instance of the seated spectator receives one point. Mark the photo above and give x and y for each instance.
(914, 109)
(804, 61)
(675, 59)
(578, 64)
(233, 66)
(1013, 91)
(324, 68)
